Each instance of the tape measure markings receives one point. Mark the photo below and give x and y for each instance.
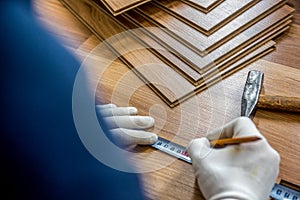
(281, 192)
(172, 148)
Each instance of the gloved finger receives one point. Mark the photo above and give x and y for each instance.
(199, 148)
(239, 127)
(130, 122)
(116, 111)
(105, 106)
(126, 137)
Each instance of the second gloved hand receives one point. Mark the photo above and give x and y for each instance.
(126, 127)
(246, 171)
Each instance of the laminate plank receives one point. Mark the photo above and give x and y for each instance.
(288, 50)
(172, 59)
(207, 23)
(248, 36)
(150, 68)
(204, 5)
(296, 4)
(199, 42)
(218, 75)
(117, 7)
(162, 50)
(227, 64)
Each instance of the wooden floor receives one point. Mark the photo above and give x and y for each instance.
(198, 115)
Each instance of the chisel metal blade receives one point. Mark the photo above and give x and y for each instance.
(251, 93)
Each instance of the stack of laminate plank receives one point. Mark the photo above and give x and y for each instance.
(180, 47)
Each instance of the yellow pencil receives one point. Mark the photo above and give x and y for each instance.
(231, 141)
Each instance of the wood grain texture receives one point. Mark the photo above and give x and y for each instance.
(117, 7)
(79, 32)
(137, 57)
(225, 50)
(296, 4)
(207, 23)
(288, 50)
(279, 103)
(204, 5)
(255, 32)
(218, 73)
(199, 114)
(201, 43)
(194, 77)
(186, 91)
(172, 45)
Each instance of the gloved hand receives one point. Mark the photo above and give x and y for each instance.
(244, 171)
(127, 128)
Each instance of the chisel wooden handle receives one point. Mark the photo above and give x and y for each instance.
(291, 104)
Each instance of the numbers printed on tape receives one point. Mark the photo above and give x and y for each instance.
(281, 192)
(172, 148)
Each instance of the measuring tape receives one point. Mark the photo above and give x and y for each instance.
(279, 192)
(172, 148)
(285, 191)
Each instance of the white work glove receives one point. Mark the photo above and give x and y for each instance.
(127, 128)
(243, 171)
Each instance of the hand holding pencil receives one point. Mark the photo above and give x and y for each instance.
(245, 168)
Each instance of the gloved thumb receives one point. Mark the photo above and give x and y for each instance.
(199, 148)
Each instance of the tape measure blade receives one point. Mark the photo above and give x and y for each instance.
(280, 192)
(172, 149)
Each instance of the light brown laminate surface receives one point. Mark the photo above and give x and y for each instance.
(288, 46)
(199, 42)
(204, 5)
(209, 22)
(117, 7)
